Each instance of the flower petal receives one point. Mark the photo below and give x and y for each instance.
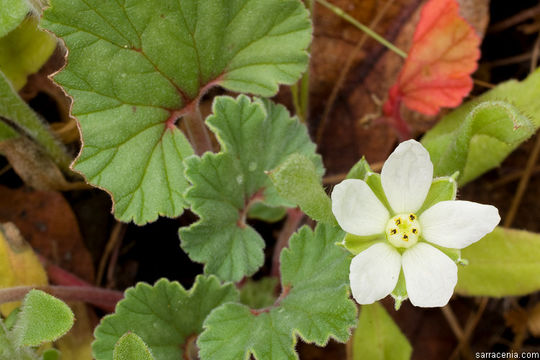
(406, 177)
(430, 275)
(357, 209)
(374, 273)
(458, 224)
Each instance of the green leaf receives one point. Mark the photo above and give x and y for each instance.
(134, 69)
(504, 263)
(51, 354)
(259, 294)
(314, 305)
(42, 318)
(24, 51)
(15, 114)
(356, 244)
(480, 134)
(12, 14)
(297, 180)
(255, 137)
(131, 347)
(164, 316)
(378, 337)
(8, 349)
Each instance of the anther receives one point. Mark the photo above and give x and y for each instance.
(398, 221)
(412, 217)
(393, 231)
(414, 231)
(405, 237)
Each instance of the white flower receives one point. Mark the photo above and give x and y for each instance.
(407, 235)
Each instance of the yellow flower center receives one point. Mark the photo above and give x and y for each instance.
(403, 230)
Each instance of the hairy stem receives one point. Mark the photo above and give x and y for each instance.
(197, 131)
(102, 298)
(294, 216)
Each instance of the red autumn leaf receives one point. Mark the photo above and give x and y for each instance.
(437, 71)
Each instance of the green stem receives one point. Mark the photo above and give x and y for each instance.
(339, 12)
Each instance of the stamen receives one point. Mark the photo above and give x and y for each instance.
(412, 217)
(405, 237)
(414, 231)
(398, 221)
(393, 231)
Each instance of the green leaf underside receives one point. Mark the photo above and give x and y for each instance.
(135, 65)
(255, 137)
(163, 316)
(8, 348)
(316, 308)
(12, 14)
(297, 180)
(13, 110)
(43, 318)
(377, 336)
(504, 263)
(480, 134)
(131, 347)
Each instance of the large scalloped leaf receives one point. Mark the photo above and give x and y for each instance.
(136, 66)
(164, 316)
(314, 305)
(255, 137)
(12, 14)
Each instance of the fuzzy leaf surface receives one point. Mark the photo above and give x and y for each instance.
(438, 68)
(43, 318)
(131, 347)
(135, 67)
(255, 137)
(314, 306)
(503, 263)
(163, 316)
(297, 180)
(480, 134)
(16, 115)
(377, 336)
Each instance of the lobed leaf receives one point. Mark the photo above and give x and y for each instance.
(503, 263)
(255, 136)
(164, 316)
(377, 336)
(135, 67)
(438, 68)
(480, 134)
(314, 305)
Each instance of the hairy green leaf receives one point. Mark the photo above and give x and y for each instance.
(135, 68)
(360, 170)
(24, 51)
(131, 347)
(481, 133)
(377, 336)
(504, 263)
(42, 318)
(442, 189)
(314, 305)
(255, 137)
(297, 180)
(16, 116)
(164, 316)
